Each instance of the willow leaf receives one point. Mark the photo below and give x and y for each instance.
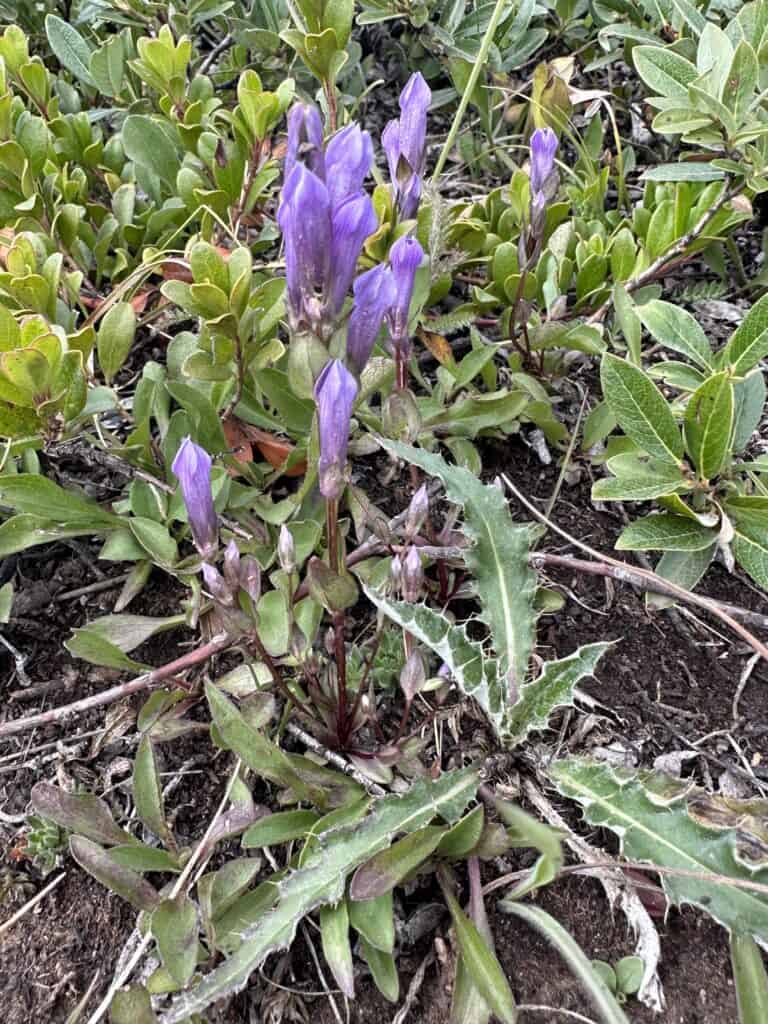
(322, 879)
(673, 824)
(497, 557)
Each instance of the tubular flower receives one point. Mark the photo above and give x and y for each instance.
(543, 149)
(405, 257)
(335, 394)
(404, 142)
(324, 215)
(375, 292)
(192, 466)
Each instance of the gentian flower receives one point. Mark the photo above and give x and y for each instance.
(404, 141)
(325, 216)
(543, 149)
(374, 293)
(405, 257)
(192, 466)
(335, 394)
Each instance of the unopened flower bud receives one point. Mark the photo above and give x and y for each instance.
(286, 550)
(413, 576)
(192, 466)
(335, 394)
(232, 566)
(250, 578)
(217, 586)
(396, 572)
(417, 511)
(413, 676)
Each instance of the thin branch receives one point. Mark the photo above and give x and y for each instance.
(652, 272)
(218, 49)
(670, 589)
(315, 745)
(141, 683)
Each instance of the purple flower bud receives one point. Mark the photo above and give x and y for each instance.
(348, 160)
(335, 394)
(404, 140)
(232, 566)
(374, 293)
(352, 223)
(305, 140)
(217, 586)
(417, 511)
(413, 576)
(192, 466)
(305, 219)
(405, 257)
(413, 676)
(543, 149)
(250, 578)
(396, 571)
(286, 550)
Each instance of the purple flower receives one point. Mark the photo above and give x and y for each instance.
(404, 140)
(324, 215)
(305, 219)
(543, 149)
(348, 160)
(352, 223)
(405, 257)
(192, 466)
(219, 589)
(374, 293)
(305, 140)
(335, 394)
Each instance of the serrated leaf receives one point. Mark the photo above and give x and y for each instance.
(553, 688)
(675, 328)
(321, 880)
(652, 816)
(497, 557)
(640, 409)
(665, 532)
(174, 926)
(708, 425)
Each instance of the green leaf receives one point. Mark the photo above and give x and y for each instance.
(675, 328)
(78, 812)
(115, 338)
(147, 144)
(132, 1005)
(147, 794)
(664, 71)
(70, 48)
(552, 688)
(749, 401)
(497, 557)
(374, 920)
(481, 963)
(174, 926)
(155, 539)
(749, 342)
(127, 632)
(387, 869)
(750, 979)
(322, 877)
(604, 1001)
(463, 837)
(641, 485)
(628, 321)
(337, 950)
(279, 828)
(708, 425)
(6, 602)
(126, 883)
(640, 409)
(41, 497)
(95, 648)
(383, 968)
(685, 568)
(693, 171)
(750, 548)
(665, 532)
(141, 858)
(525, 830)
(669, 822)
(742, 80)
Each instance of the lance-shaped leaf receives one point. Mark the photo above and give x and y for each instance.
(374, 920)
(384, 970)
(147, 794)
(750, 979)
(668, 822)
(321, 880)
(337, 949)
(126, 883)
(174, 926)
(390, 867)
(708, 424)
(640, 409)
(82, 813)
(749, 342)
(497, 557)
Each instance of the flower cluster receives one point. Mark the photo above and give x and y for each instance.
(326, 216)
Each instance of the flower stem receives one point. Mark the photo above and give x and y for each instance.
(340, 650)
